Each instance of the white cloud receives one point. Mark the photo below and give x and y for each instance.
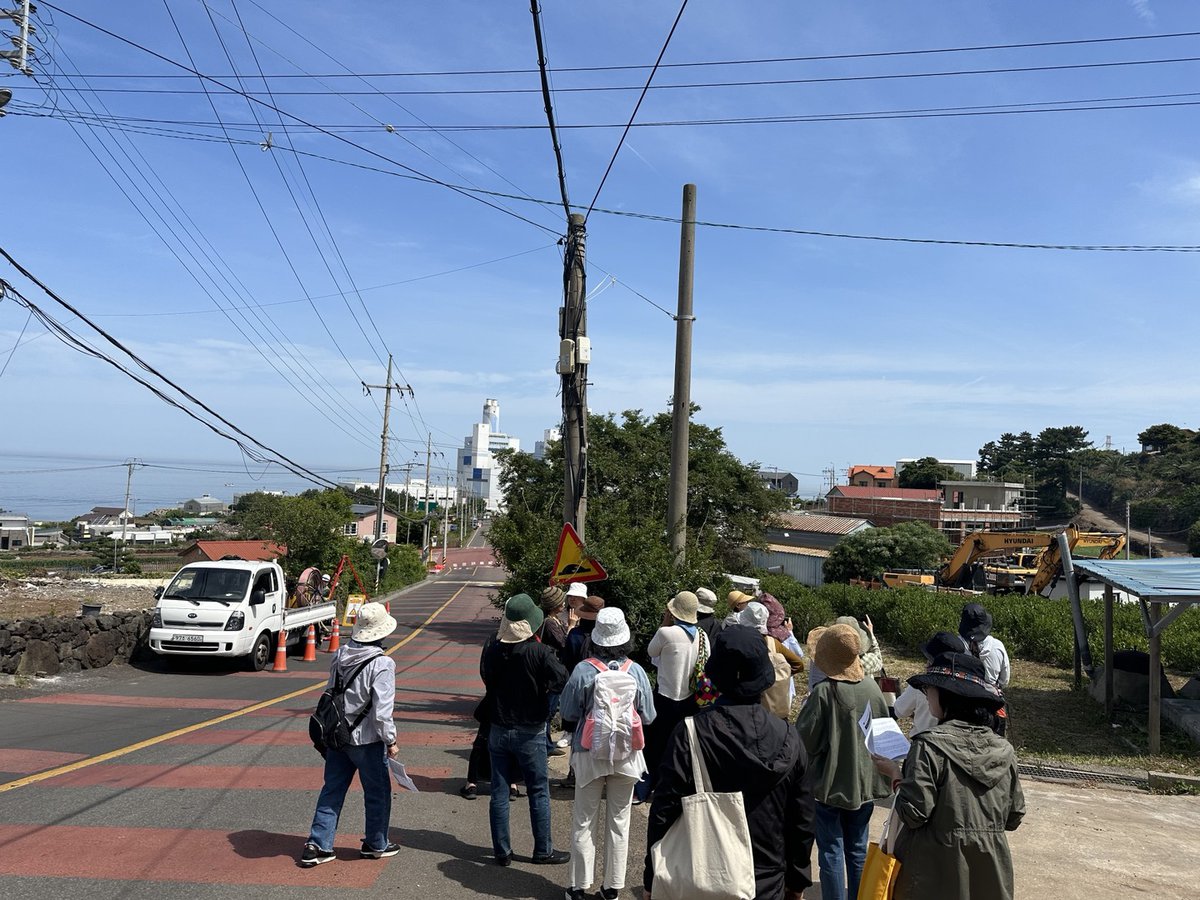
(1144, 12)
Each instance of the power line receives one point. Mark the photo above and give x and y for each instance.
(699, 85)
(536, 10)
(880, 54)
(636, 107)
(223, 86)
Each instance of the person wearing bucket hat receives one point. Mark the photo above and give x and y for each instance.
(737, 601)
(870, 654)
(846, 783)
(613, 774)
(584, 608)
(674, 650)
(975, 628)
(369, 701)
(706, 602)
(912, 702)
(750, 751)
(958, 792)
(520, 674)
(555, 633)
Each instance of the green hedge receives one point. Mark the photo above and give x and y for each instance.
(1032, 628)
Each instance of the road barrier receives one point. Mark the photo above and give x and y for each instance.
(281, 653)
(310, 644)
(335, 638)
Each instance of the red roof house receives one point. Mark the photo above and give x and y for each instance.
(211, 551)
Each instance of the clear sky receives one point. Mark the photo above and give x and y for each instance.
(810, 351)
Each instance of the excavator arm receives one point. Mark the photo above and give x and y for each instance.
(957, 570)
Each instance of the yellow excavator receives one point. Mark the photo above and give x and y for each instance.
(1050, 565)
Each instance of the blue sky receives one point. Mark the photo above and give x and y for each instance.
(809, 352)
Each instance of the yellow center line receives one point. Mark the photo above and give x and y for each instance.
(178, 732)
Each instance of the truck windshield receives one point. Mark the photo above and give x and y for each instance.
(222, 585)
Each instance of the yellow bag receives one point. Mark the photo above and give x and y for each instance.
(881, 868)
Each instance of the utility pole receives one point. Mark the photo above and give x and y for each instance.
(1127, 534)
(130, 464)
(19, 58)
(681, 408)
(387, 388)
(574, 354)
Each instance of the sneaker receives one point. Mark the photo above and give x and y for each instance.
(314, 856)
(554, 858)
(514, 792)
(369, 853)
(468, 791)
(610, 893)
(575, 894)
(504, 860)
(556, 750)
(564, 741)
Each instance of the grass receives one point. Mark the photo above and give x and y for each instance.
(1051, 721)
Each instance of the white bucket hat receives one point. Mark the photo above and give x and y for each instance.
(577, 589)
(705, 601)
(754, 615)
(373, 623)
(611, 628)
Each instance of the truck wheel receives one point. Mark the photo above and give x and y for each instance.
(260, 656)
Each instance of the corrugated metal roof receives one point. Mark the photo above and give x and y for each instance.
(819, 524)
(1150, 579)
(798, 551)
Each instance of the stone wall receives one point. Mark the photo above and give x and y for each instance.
(50, 645)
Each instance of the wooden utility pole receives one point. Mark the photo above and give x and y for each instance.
(681, 405)
(574, 354)
(383, 450)
(130, 464)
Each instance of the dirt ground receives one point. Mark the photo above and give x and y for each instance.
(28, 598)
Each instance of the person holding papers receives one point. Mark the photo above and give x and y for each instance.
(958, 792)
(845, 782)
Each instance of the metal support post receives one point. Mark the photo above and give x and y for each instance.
(681, 401)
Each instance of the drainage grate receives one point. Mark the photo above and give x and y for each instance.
(1086, 776)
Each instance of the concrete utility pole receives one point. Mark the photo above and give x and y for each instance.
(387, 388)
(19, 58)
(1127, 534)
(574, 354)
(130, 464)
(681, 407)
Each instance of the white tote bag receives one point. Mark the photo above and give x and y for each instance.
(705, 854)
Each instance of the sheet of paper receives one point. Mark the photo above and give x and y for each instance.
(864, 722)
(884, 737)
(401, 776)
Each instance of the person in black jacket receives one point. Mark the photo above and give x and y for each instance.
(750, 750)
(520, 674)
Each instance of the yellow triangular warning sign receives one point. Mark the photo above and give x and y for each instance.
(571, 563)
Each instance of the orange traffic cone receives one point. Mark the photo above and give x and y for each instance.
(310, 644)
(335, 638)
(281, 653)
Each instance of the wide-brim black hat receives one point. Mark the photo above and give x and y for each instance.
(942, 642)
(975, 623)
(739, 666)
(961, 674)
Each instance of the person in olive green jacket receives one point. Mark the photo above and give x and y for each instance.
(845, 781)
(958, 793)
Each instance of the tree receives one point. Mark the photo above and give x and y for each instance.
(310, 525)
(1163, 437)
(627, 483)
(1194, 539)
(909, 545)
(925, 472)
(1010, 455)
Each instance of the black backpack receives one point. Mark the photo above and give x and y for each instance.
(328, 726)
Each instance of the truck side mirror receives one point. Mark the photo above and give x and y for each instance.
(258, 597)
(158, 592)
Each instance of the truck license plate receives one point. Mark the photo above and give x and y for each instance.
(188, 638)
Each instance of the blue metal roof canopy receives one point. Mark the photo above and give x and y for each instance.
(1157, 583)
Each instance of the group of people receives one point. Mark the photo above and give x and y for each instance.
(953, 798)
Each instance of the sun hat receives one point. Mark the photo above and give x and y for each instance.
(863, 638)
(776, 616)
(810, 642)
(683, 607)
(521, 619)
(586, 607)
(373, 623)
(577, 589)
(961, 674)
(837, 654)
(739, 666)
(976, 622)
(942, 642)
(553, 599)
(611, 628)
(737, 599)
(705, 601)
(754, 616)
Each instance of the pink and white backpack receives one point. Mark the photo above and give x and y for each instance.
(612, 730)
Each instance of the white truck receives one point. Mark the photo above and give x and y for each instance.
(229, 608)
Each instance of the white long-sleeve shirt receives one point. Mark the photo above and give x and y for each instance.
(675, 652)
(994, 656)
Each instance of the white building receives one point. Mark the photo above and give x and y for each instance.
(477, 469)
(550, 435)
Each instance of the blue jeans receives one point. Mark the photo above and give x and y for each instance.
(554, 700)
(841, 848)
(520, 750)
(370, 761)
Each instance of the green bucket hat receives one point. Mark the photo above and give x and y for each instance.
(521, 620)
